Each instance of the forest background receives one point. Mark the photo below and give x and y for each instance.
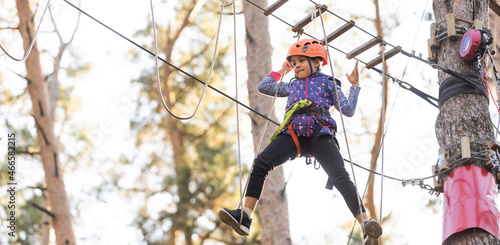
(118, 168)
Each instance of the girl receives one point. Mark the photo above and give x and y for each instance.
(308, 130)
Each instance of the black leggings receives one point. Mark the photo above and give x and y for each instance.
(282, 149)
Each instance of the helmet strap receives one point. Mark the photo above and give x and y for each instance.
(310, 67)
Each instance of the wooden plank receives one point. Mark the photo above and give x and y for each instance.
(434, 45)
(319, 8)
(347, 26)
(465, 147)
(450, 25)
(387, 55)
(273, 7)
(432, 53)
(364, 47)
(494, 5)
(478, 24)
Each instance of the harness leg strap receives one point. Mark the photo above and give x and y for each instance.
(295, 139)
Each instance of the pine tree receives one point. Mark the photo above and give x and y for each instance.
(191, 162)
(463, 114)
(273, 205)
(47, 142)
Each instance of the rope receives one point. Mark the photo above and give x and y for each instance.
(408, 87)
(32, 41)
(271, 109)
(497, 79)
(168, 63)
(454, 165)
(357, 27)
(432, 64)
(237, 108)
(415, 38)
(343, 125)
(158, 67)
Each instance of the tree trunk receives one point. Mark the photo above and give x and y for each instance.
(45, 229)
(370, 197)
(464, 114)
(176, 139)
(273, 205)
(494, 21)
(47, 142)
(472, 236)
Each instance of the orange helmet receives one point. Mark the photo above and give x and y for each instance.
(308, 47)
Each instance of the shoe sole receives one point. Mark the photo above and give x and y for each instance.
(228, 219)
(370, 241)
(373, 232)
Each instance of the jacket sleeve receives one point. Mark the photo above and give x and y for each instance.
(269, 86)
(348, 105)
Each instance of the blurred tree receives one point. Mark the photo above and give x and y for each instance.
(370, 193)
(273, 205)
(34, 210)
(190, 165)
(58, 203)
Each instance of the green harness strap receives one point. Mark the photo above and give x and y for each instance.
(296, 106)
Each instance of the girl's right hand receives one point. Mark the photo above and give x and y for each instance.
(285, 68)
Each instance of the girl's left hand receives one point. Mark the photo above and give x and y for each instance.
(354, 76)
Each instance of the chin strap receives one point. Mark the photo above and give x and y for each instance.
(311, 68)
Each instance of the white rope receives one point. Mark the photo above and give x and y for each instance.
(32, 41)
(158, 67)
(343, 126)
(271, 110)
(237, 110)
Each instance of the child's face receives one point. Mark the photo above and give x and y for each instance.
(301, 66)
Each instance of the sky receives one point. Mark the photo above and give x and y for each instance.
(316, 214)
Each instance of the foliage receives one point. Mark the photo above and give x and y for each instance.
(193, 192)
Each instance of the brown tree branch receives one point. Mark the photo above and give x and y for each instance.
(42, 209)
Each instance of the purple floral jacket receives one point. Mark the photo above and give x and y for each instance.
(319, 89)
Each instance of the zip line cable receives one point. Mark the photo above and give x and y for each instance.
(409, 87)
(28, 52)
(220, 92)
(157, 66)
(168, 63)
(412, 55)
(455, 164)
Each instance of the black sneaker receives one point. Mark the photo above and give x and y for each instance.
(232, 218)
(372, 232)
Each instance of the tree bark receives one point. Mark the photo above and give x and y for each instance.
(472, 236)
(47, 142)
(273, 205)
(45, 230)
(464, 114)
(494, 21)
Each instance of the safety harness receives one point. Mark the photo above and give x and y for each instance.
(297, 109)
